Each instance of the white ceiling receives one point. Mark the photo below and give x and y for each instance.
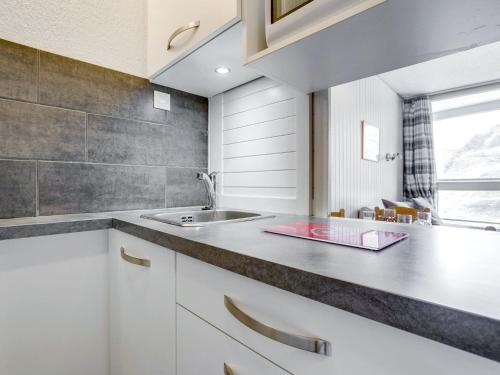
(468, 68)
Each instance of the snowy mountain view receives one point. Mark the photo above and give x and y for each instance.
(468, 147)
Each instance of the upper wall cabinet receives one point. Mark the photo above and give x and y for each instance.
(178, 27)
(189, 39)
(316, 44)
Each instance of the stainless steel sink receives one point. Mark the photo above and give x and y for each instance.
(203, 218)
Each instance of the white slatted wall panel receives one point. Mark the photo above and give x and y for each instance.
(354, 182)
(263, 131)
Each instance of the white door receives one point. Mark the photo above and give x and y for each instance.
(142, 307)
(203, 349)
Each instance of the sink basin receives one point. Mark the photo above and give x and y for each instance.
(203, 218)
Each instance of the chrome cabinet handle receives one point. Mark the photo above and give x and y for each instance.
(227, 370)
(309, 344)
(180, 30)
(134, 260)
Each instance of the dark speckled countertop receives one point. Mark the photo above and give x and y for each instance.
(442, 283)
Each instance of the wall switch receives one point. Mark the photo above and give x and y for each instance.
(161, 100)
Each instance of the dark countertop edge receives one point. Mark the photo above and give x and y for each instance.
(466, 331)
(21, 230)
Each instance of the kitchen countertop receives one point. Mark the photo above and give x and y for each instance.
(46, 225)
(442, 283)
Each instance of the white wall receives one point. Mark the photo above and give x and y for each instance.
(259, 141)
(354, 182)
(109, 33)
(54, 305)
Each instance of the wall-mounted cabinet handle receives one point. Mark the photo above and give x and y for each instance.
(309, 344)
(180, 30)
(134, 260)
(227, 370)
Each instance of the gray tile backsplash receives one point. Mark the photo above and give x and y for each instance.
(184, 189)
(18, 71)
(17, 188)
(112, 140)
(80, 187)
(89, 139)
(33, 131)
(77, 85)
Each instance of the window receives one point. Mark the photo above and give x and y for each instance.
(467, 150)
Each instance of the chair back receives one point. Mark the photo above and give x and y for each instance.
(339, 213)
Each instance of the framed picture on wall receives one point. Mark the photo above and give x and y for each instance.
(370, 146)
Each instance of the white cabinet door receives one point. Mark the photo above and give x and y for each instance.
(167, 16)
(203, 349)
(358, 346)
(142, 307)
(54, 305)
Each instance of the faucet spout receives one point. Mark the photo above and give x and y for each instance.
(209, 182)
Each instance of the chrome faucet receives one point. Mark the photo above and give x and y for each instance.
(210, 185)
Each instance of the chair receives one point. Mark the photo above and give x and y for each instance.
(379, 213)
(339, 213)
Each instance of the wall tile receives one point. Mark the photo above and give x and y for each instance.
(191, 148)
(74, 84)
(17, 188)
(184, 189)
(112, 140)
(76, 187)
(188, 111)
(33, 131)
(18, 71)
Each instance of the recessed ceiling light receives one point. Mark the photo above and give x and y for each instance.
(222, 70)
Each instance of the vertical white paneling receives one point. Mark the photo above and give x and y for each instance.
(354, 182)
(259, 140)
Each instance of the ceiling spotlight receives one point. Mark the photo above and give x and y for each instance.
(222, 70)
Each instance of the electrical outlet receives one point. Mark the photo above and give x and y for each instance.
(161, 100)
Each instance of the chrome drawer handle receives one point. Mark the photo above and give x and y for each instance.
(309, 344)
(227, 370)
(180, 30)
(134, 260)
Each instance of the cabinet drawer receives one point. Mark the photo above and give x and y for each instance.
(203, 349)
(358, 345)
(167, 17)
(142, 307)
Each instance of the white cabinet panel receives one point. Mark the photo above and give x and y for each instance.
(142, 308)
(272, 162)
(203, 349)
(259, 131)
(166, 16)
(259, 142)
(258, 99)
(359, 346)
(271, 112)
(276, 179)
(285, 143)
(54, 305)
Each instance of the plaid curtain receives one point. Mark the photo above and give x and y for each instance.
(419, 175)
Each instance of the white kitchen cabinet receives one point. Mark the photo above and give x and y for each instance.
(54, 305)
(165, 17)
(142, 307)
(369, 38)
(358, 346)
(203, 349)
